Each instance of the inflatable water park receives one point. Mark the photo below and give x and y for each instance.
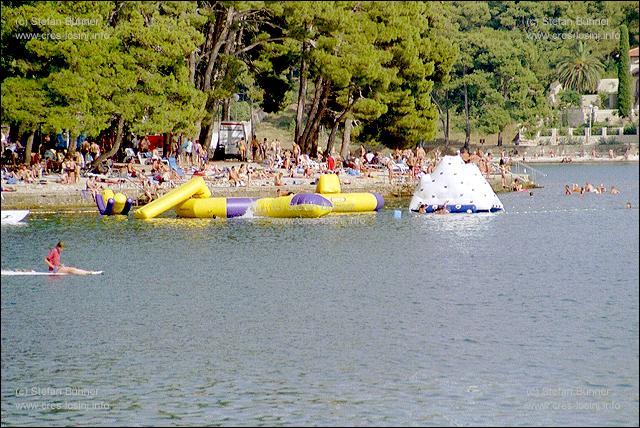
(458, 186)
(193, 200)
(454, 186)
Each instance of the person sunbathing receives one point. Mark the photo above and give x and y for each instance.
(308, 172)
(92, 185)
(280, 192)
(234, 178)
(131, 171)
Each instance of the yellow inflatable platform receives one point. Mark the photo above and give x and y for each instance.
(307, 205)
(329, 187)
(214, 207)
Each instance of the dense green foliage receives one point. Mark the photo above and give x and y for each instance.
(383, 72)
(624, 75)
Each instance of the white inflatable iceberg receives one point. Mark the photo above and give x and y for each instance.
(458, 185)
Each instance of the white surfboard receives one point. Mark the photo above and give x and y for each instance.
(33, 272)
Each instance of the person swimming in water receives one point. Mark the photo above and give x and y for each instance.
(55, 266)
(516, 186)
(442, 209)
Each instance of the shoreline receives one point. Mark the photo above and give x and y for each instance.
(56, 196)
(577, 159)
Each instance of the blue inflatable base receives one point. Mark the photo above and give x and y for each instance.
(460, 209)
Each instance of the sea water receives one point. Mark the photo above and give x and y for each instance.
(524, 317)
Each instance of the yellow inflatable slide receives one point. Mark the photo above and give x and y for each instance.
(194, 188)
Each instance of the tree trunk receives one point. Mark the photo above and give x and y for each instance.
(225, 109)
(166, 144)
(231, 41)
(217, 35)
(337, 121)
(443, 120)
(346, 138)
(313, 142)
(315, 128)
(443, 123)
(28, 148)
(206, 141)
(505, 95)
(198, 128)
(302, 94)
(204, 132)
(467, 129)
(303, 142)
(446, 130)
(213, 56)
(207, 129)
(116, 144)
(71, 147)
(332, 136)
(191, 61)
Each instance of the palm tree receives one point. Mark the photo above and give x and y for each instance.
(580, 72)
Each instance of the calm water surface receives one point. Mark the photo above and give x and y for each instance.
(529, 317)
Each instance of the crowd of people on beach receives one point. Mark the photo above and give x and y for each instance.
(262, 163)
(49, 159)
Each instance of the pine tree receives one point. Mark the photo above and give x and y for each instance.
(624, 77)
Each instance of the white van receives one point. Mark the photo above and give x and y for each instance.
(225, 139)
